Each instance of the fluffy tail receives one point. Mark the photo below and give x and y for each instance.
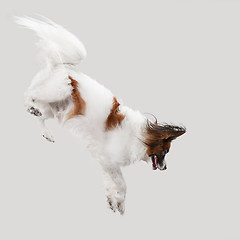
(56, 44)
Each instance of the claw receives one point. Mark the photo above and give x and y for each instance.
(110, 204)
(120, 207)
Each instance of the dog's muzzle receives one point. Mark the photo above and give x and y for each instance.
(158, 163)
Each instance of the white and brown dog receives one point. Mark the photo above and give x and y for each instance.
(115, 135)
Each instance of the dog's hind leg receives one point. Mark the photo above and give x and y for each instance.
(41, 118)
(45, 89)
(42, 111)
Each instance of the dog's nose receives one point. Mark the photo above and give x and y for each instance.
(165, 167)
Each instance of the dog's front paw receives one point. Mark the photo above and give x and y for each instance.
(48, 136)
(34, 111)
(117, 202)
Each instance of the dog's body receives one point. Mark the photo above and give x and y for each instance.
(114, 134)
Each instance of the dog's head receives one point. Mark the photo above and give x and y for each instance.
(158, 139)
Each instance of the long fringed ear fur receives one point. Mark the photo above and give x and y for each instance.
(156, 133)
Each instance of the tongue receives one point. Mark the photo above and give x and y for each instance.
(154, 163)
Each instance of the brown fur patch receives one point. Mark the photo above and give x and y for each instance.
(158, 149)
(115, 118)
(79, 103)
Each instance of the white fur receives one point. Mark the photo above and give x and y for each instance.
(50, 93)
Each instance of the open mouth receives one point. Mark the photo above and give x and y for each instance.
(156, 163)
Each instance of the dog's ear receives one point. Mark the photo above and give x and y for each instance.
(171, 132)
(156, 132)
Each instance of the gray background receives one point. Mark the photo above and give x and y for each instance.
(178, 60)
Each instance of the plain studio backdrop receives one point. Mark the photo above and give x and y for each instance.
(179, 60)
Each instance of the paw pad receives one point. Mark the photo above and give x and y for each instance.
(34, 111)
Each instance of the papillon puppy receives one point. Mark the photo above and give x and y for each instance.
(115, 135)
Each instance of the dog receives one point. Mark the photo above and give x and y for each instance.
(114, 134)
